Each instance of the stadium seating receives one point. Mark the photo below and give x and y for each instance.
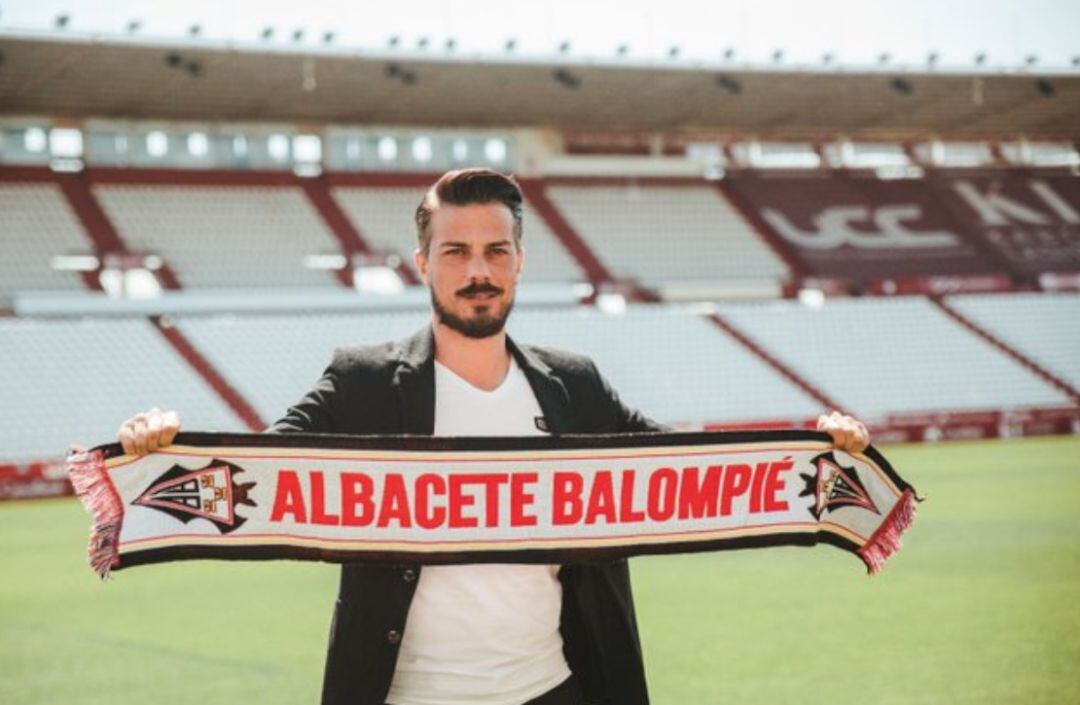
(385, 217)
(665, 234)
(671, 363)
(272, 360)
(891, 355)
(223, 236)
(67, 382)
(1044, 327)
(36, 224)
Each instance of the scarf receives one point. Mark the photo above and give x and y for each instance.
(555, 499)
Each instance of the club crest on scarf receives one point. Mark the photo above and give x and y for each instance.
(210, 493)
(834, 486)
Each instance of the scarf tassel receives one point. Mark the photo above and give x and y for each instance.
(87, 472)
(886, 540)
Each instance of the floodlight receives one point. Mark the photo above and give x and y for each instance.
(567, 79)
(901, 86)
(728, 84)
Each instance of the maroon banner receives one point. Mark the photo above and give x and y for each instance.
(986, 226)
(1031, 219)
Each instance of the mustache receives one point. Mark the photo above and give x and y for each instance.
(479, 288)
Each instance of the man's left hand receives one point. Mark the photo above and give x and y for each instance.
(848, 434)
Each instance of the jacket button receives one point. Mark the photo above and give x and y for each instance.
(393, 636)
(409, 575)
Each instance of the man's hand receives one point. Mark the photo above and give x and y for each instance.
(848, 434)
(146, 432)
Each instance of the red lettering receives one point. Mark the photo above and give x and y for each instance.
(601, 499)
(736, 481)
(395, 502)
(566, 490)
(626, 499)
(775, 484)
(356, 490)
(520, 500)
(491, 496)
(755, 491)
(663, 484)
(289, 498)
(319, 514)
(428, 517)
(459, 501)
(697, 500)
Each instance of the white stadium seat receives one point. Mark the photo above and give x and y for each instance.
(37, 224)
(667, 234)
(1044, 327)
(891, 355)
(273, 360)
(67, 382)
(671, 363)
(223, 236)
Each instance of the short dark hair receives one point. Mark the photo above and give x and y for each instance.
(463, 187)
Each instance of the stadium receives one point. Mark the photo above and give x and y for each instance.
(196, 224)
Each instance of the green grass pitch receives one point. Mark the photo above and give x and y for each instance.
(982, 606)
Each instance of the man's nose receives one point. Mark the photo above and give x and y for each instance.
(478, 267)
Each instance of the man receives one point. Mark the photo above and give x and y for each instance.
(472, 634)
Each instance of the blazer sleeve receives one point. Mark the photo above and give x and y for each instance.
(317, 411)
(624, 419)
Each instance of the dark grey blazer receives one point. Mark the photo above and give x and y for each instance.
(390, 389)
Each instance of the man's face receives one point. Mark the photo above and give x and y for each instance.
(472, 266)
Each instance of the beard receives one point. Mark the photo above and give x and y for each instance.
(487, 321)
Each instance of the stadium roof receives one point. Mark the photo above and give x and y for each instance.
(82, 78)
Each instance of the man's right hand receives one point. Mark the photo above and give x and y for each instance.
(148, 431)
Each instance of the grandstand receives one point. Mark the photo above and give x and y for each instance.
(727, 267)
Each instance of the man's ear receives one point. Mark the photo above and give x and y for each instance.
(420, 260)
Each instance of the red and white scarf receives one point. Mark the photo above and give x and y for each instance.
(466, 500)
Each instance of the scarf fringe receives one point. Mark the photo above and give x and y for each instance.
(886, 540)
(92, 485)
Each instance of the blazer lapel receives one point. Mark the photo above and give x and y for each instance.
(550, 392)
(414, 382)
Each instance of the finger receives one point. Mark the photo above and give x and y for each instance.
(138, 429)
(126, 438)
(170, 426)
(850, 442)
(153, 431)
(821, 421)
(862, 437)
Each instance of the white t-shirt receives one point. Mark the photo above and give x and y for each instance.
(482, 634)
